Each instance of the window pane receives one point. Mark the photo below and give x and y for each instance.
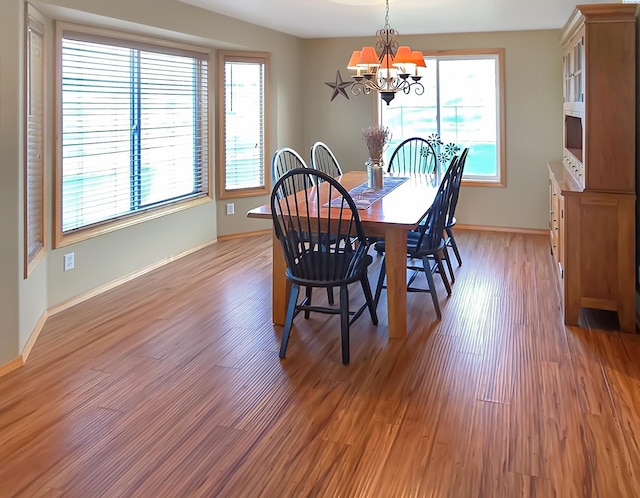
(412, 115)
(34, 171)
(168, 132)
(469, 111)
(459, 106)
(244, 134)
(96, 132)
(134, 129)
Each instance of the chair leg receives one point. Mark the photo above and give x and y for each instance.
(432, 286)
(308, 294)
(344, 323)
(366, 288)
(454, 246)
(330, 295)
(442, 273)
(447, 258)
(288, 322)
(380, 283)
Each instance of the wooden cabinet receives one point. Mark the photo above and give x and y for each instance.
(592, 191)
(600, 93)
(556, 225)
(573, 69)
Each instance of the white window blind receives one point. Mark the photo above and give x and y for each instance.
(134, 128)
(244, 82)
(34, 170)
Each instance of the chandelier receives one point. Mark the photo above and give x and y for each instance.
(394, 70)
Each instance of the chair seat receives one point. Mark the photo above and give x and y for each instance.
(412, 240)
(327, 269)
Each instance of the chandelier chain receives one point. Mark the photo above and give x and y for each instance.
(386, 16)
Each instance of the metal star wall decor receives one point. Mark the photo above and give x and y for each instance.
(339, 86)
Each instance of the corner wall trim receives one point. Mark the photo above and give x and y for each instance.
(34, 336)
(122, 280)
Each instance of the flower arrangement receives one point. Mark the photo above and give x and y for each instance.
(376, 137)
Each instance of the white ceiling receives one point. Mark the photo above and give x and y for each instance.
(337, 18)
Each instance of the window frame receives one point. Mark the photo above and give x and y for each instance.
(35, 22)
(225, 56)
(498, 53)
(89, 33)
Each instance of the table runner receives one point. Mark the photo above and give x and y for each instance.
(364, 196)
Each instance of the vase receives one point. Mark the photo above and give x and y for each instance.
(375, 172)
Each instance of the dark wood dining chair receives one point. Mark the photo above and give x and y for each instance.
(426, 248)
(413, 155)
(323, 159)
(450, 241)
(336, 256)
(285, 159)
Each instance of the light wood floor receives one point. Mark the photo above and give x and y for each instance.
(171, 386)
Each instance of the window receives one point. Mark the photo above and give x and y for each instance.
(243, 114)
(462, 104)
(34, 230)
(135, 131)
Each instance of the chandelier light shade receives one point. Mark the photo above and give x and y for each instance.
(395, 69)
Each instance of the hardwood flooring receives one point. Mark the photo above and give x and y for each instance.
(171, 386)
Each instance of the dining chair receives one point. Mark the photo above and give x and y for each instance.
(426, 248)
(455, 174)
(332, 259)
(451, 219)
(413, 155)
(323, 159)
(285, 159)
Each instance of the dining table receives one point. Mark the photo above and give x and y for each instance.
(391, 216)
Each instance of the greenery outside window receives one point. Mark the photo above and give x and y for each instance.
(134, 131)
(243, 114)
(463, 103)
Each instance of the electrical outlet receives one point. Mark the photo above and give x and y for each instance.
(69, 261)
(231, 208)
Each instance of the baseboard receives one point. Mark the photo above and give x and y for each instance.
(22, 359)
(11, 366)
(122, 280)
(485, 228)
(243, 235)
(34, 336)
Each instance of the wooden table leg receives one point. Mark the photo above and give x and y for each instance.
(280, 286)
(395, 240)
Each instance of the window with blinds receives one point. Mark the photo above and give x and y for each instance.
(243, 114)
(34, 228)
(135, 128)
